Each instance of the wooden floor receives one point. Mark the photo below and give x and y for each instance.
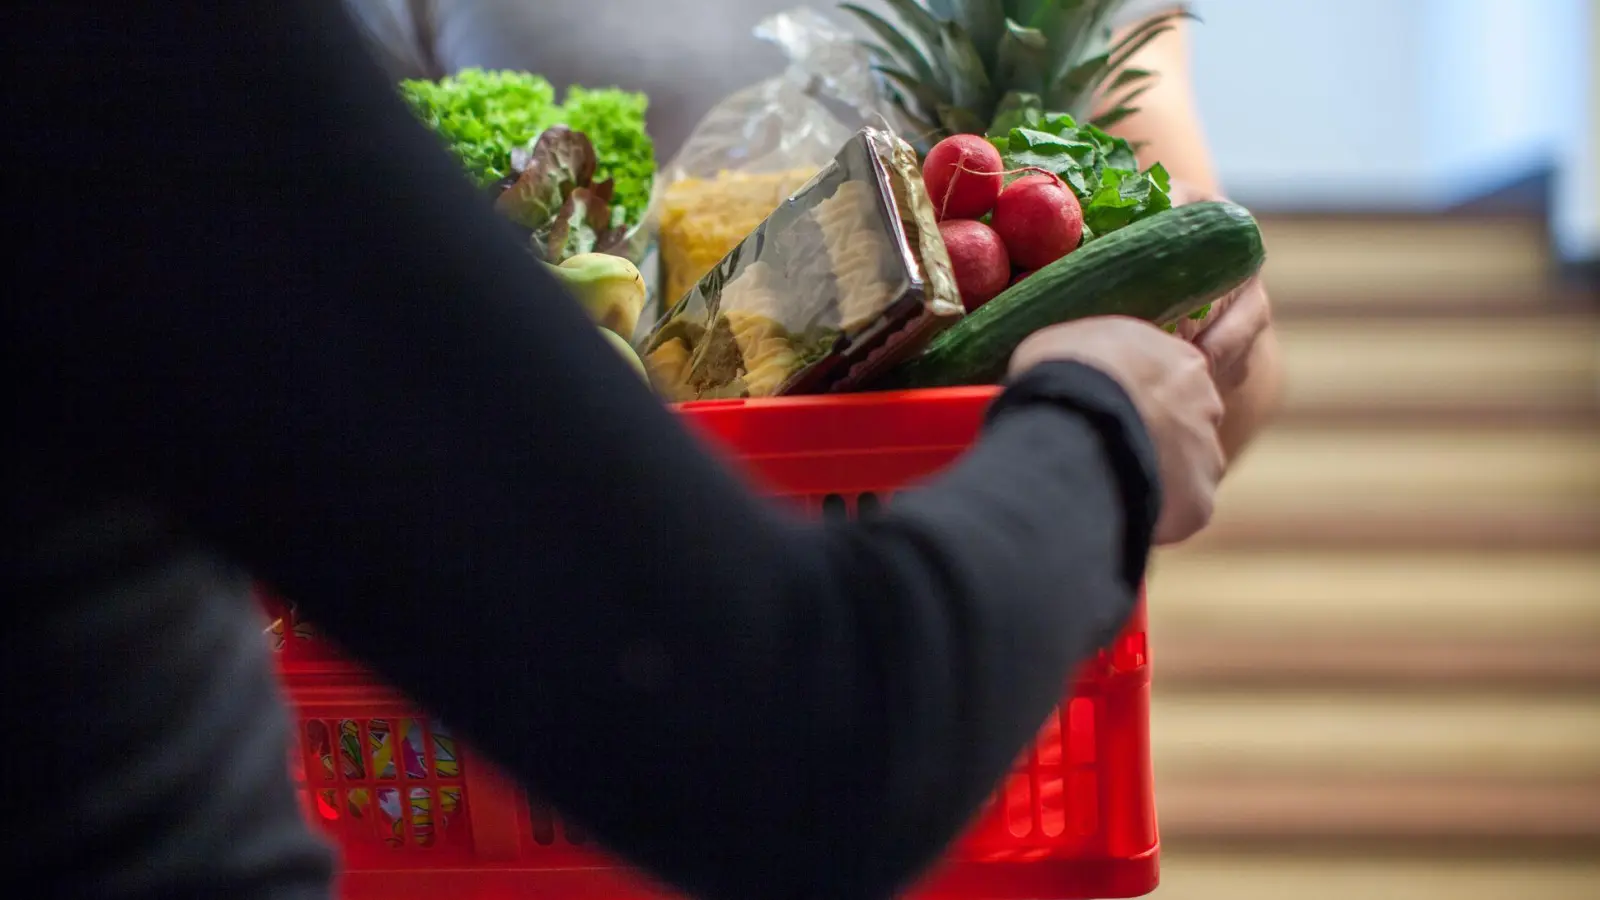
(1378, 675)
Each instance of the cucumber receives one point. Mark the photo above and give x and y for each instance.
(1158, 269)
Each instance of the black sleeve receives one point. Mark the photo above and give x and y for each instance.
(266, 291)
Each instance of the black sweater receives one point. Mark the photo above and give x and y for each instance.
(260, 324)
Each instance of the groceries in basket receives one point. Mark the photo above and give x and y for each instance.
(1042, 215)
(889, 214)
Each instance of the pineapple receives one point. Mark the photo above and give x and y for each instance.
(961, 66)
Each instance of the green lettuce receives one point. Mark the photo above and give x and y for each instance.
(613, 120)
(485, 116)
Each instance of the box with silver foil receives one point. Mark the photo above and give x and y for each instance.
(847, 277)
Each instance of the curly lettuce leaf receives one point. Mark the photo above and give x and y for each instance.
(614, 120)
(560, 161)
(582, 225)
(486, 117)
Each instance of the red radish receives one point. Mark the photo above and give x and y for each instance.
(1039, 219)
(1022, 275)
(978, 257)
(963, 175)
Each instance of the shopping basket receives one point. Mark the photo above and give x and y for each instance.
(416, 815)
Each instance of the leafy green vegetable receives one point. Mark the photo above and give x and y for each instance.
(483, 115)
(583, 224)
(614, 122)
(557, 163)
(557, 198)
(486, 116)
(1100, 168)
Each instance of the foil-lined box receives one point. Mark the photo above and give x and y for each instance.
(845, 279)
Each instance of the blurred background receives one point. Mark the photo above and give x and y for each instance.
(1378, 674)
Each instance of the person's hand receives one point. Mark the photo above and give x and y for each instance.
(1170, 383)
(1227, 334)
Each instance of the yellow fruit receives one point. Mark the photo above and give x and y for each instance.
(609, 287)
(625, 349)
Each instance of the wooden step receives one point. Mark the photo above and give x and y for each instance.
(1292, 768)
(1387, 488)
(1420, 811)
(1307, 617)
(1200, 737)
(1442, 264)
(1532, 370)
(1238, 876)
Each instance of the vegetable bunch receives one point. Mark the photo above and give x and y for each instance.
(484, 116)
(1100, 168)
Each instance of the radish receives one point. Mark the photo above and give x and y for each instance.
(1039, 219)
(963, 175)
(978, 257)
(1021, 275)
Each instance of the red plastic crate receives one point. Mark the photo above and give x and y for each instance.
(417, 816)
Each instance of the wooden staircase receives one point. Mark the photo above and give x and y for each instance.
(1378, 674)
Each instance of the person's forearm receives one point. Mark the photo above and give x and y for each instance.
(1251, 402)
(1168, 124)
(338, 367)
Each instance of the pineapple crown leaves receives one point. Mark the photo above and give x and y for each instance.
(953, 66)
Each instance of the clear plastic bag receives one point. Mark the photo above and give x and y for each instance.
(845, 278)
(759, 145)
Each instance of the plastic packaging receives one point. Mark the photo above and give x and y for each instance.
(847, 276)
(759, 145)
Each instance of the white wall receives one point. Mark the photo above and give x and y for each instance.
(1577, 206)
(1314, 102)
(1498, 89)
(1392, 103)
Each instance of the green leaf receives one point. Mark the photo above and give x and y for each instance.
(1062, 155)
(921, 23)
(1140, 37)
(984, 21)
(880, 53)
(1120, 108)
(1052, 144)
(925, 95)
(1110, 118)
(970, 87)
(1031, 12)
(1024, 59)
(1071, 90)
(1127, 77)
(1119, 154)
(1075, 27)
(1123, 198)
(901, 49)
(924, 131)
(615, 123)
(959, 120)
(1099, 167)
(1017, 109)
(1158, 174)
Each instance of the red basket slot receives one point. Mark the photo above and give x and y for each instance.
(417, 816)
